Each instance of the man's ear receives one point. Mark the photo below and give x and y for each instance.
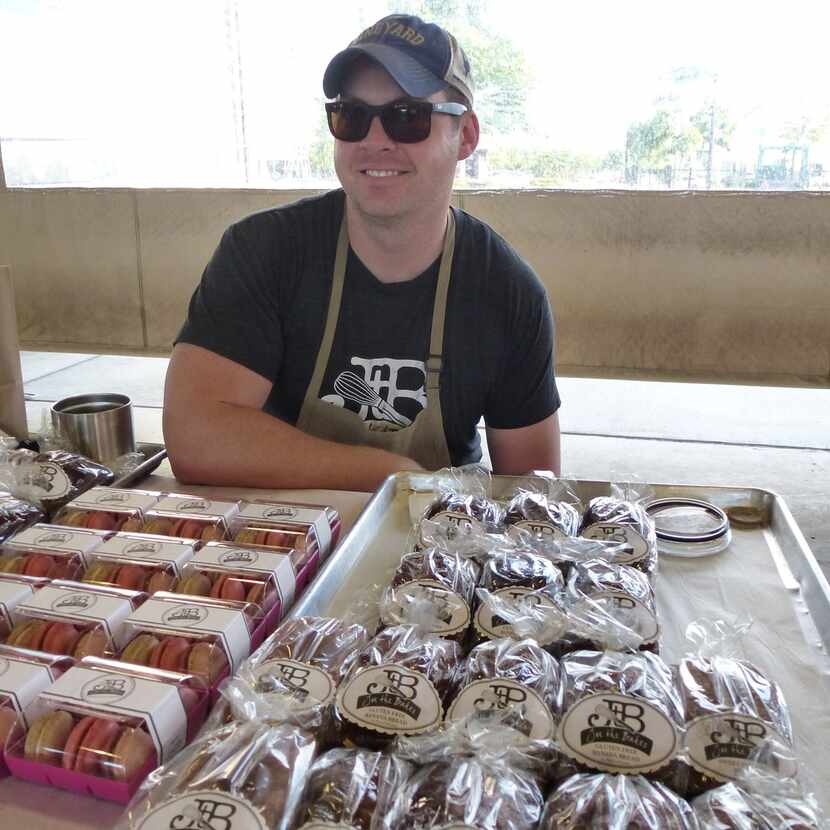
(469, 135)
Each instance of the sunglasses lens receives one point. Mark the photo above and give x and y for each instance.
(408, 122)
(348, 122)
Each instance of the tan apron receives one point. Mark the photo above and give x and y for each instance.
(423, 440)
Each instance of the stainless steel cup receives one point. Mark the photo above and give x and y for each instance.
(99, 426)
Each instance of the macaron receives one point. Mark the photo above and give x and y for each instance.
(103, 572)
(60, 638)
(39, 564)
(207, 660)
(131, 576)
(171, 654)
(188, 528)
(133, 525)
(213, 533)
(73, 742)
(47, 737)
(12, 564)
(196, 584)
(229, 587)
(132, 752)
(250, 536)
(73, 518)
(96, 744)
(101, 520)
(262, 595)
(92, 643)
(28, 634)
(158, 525)
(161, 581)
(140, 649)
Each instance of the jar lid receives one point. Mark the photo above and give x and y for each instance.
(687, 520)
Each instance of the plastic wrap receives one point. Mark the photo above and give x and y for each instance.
(249, 771)
(731, 709)
(444, 581)
(397, 686)
(50, 480)
(622, 519)
(512, 574)
(621, 712)
(542, 515)
(352, 788)
(615, 801)
(16, 514)
(624, 592)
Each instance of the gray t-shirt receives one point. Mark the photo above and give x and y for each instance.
(262, 303)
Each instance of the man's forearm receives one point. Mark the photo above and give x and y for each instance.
(222, 443)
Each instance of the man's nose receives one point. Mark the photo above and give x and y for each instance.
(377, 135)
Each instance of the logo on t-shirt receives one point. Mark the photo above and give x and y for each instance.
(386, 393)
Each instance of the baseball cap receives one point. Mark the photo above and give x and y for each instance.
(422, 57)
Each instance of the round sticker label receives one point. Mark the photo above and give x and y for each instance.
(327, 825)
(720, 745)
(390, 699)
(542, 530)
(450, 610)
(620, 535)
(490, 625)
(484, 697)
(457, 827)
(48, 481)
(308, 686)
(629, 611)
(451, 524)
(203, 810)
(617, 733)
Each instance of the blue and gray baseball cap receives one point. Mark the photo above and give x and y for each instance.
(422, 58)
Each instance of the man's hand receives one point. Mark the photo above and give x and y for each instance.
(517, 451)
(216, 433)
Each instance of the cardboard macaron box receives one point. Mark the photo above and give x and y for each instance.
(139, 561)
(262, 577)
(23, 676)
(14, 589)
(189, 517)
(73, 619)
(202, 636)
(107, 508)
(310, 531)
(48, 551)
(102, 726)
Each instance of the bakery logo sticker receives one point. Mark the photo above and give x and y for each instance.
(185, 615)
(239, 556)
(203, 810)
(616, 733)
(619, 535)
(453, 524)
(626, 610)
(327, 825)
(192, 505)
(541, 530)
(53, 538)
(390, 699)
(449, 612)
(48, 481)
(147, 548)
(307, 686)
(491, 698)
(67, 603)
(491, 626)
(112, 498)
(721, 745)
(280, 513)
(110, 689)
(456, 827)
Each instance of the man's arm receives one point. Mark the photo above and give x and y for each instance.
(216, 433)
(518, 451)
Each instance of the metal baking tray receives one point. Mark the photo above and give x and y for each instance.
(153, 454)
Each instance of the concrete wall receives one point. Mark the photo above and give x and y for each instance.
(705, 286)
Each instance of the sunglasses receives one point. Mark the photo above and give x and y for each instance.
(406, 122)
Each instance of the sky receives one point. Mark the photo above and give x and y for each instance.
(155, 75)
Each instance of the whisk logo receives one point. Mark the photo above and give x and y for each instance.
(386, 393)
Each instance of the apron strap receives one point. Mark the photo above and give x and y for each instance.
(439, 311)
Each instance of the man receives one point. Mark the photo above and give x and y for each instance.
(352, 335)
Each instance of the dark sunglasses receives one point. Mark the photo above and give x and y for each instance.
(406, 122)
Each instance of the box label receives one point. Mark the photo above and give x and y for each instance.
(11, 595)
(155, 549)
(58, 539)
(21, 682)
(108, 498)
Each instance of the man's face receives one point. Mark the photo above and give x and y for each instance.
(387, 180)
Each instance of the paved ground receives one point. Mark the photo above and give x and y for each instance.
(774, 438)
